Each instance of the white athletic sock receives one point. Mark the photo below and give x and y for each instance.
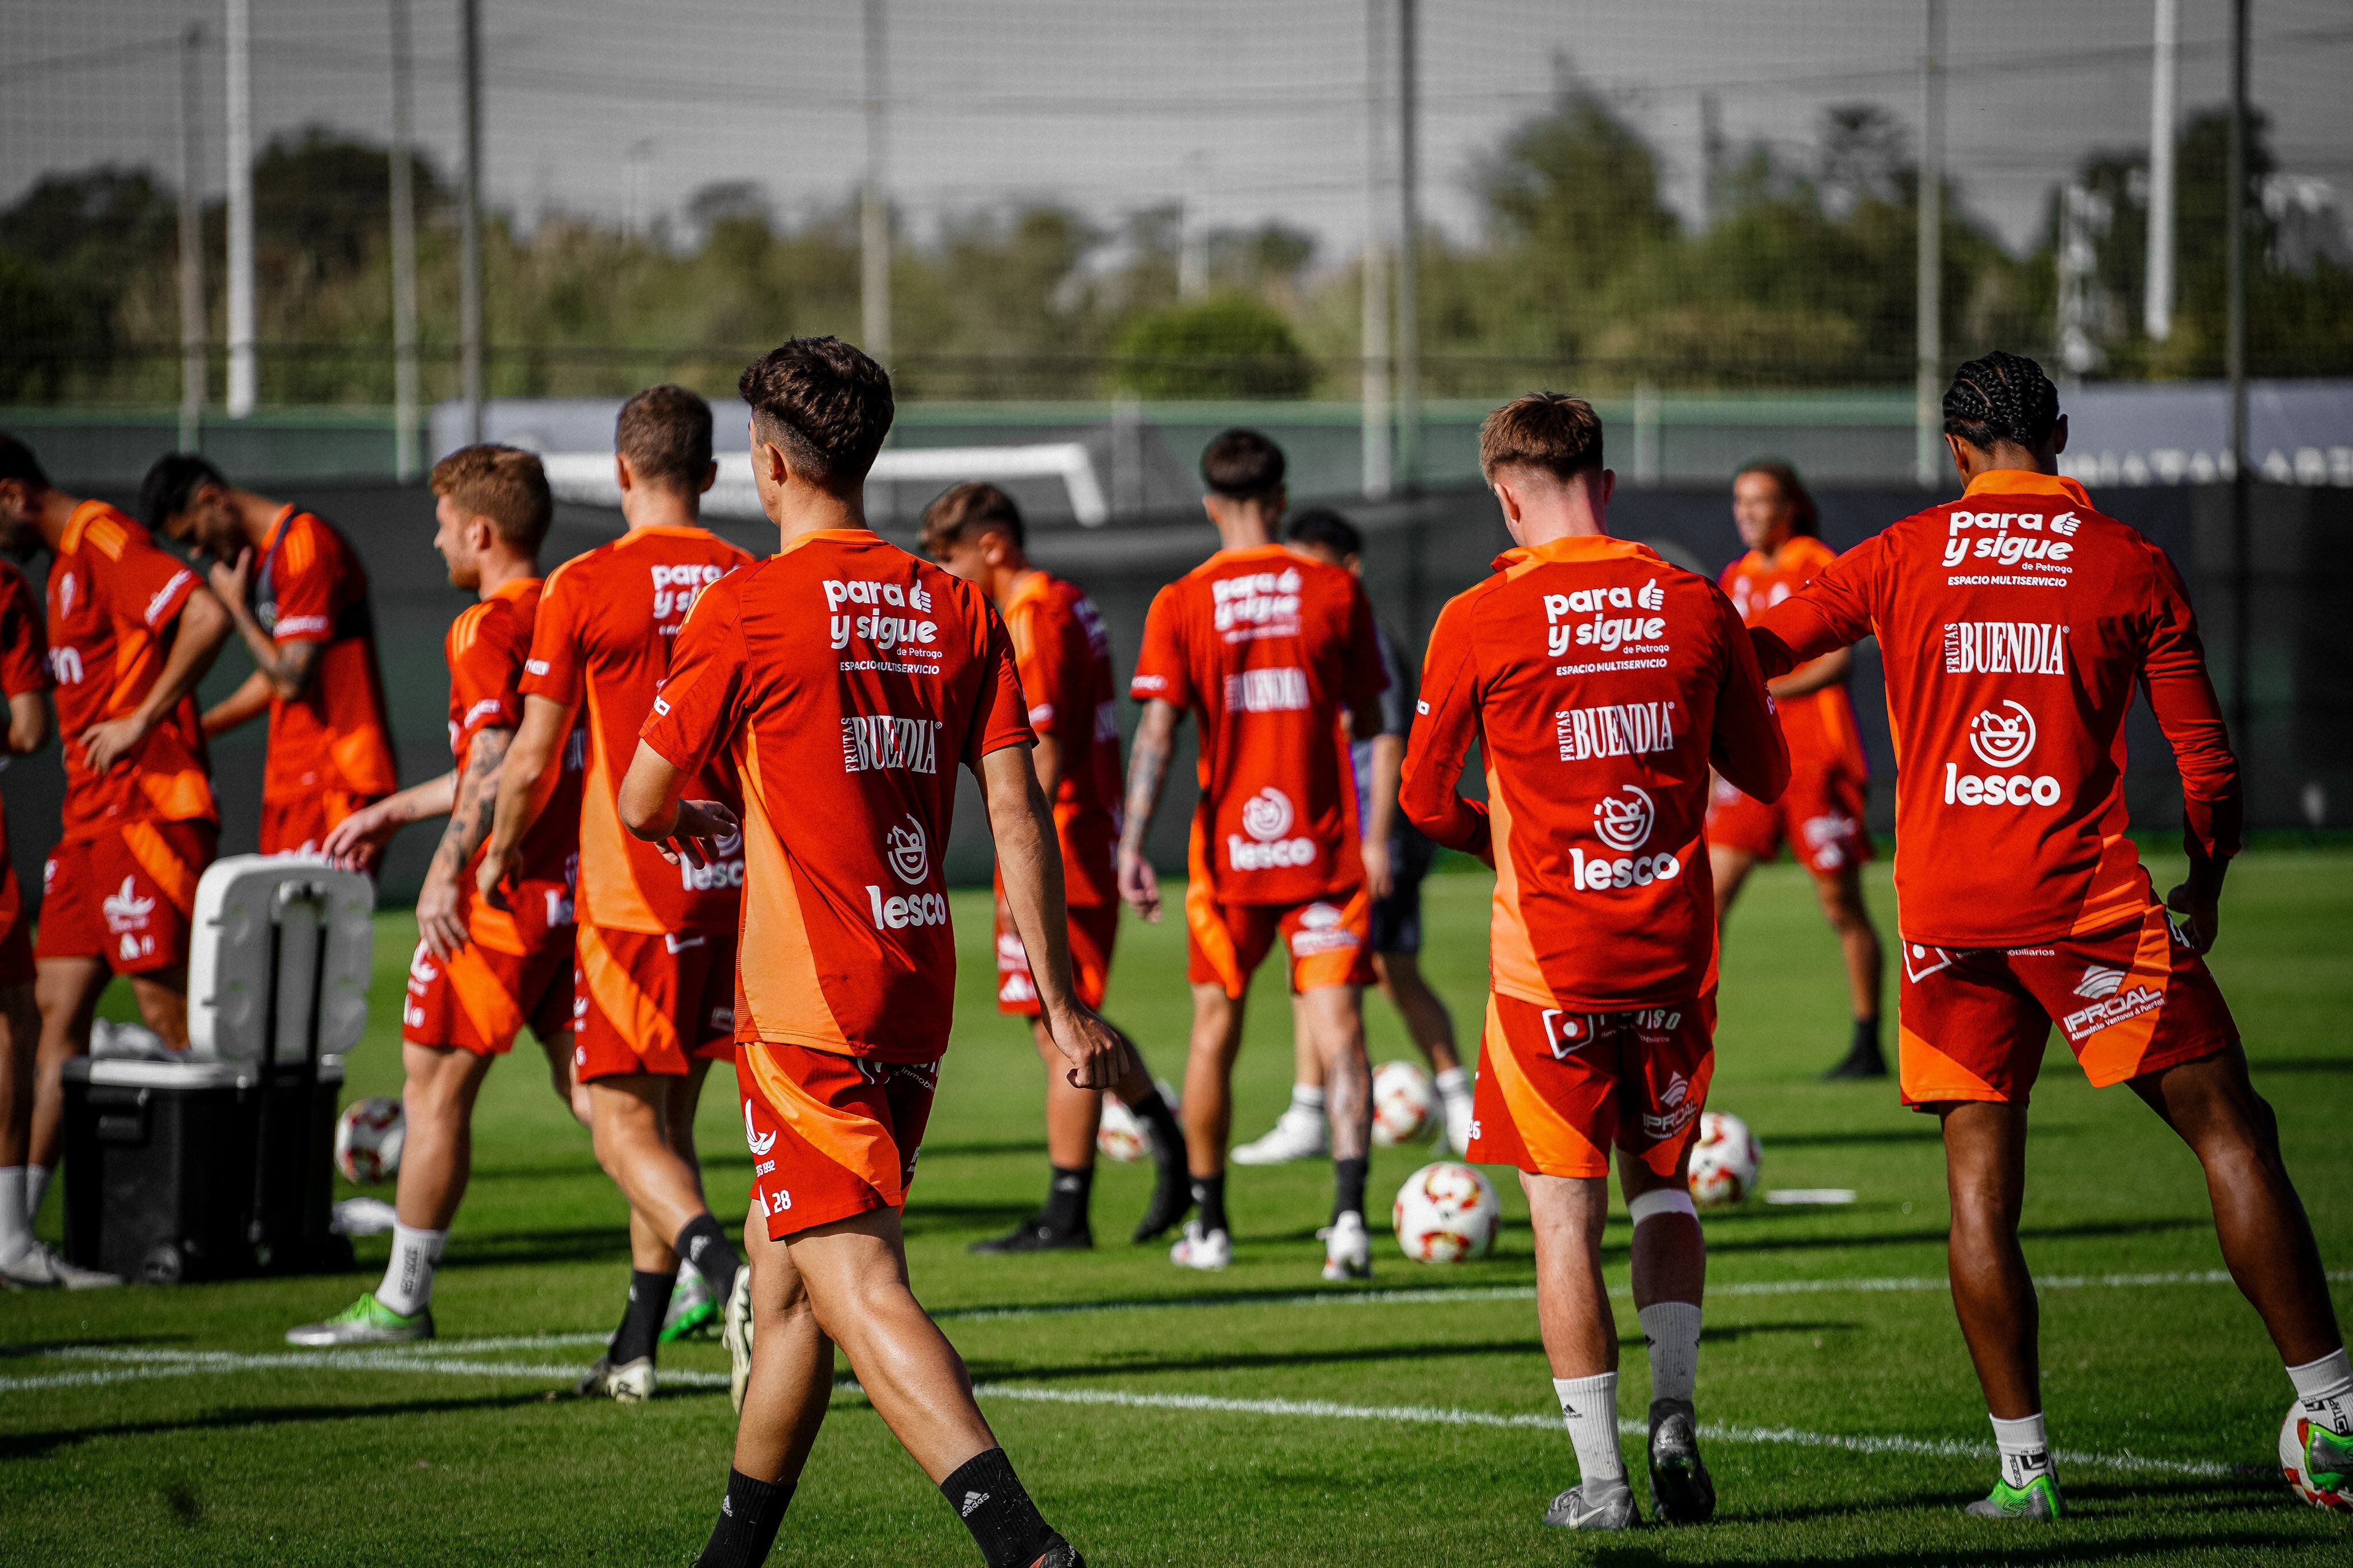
(37, 1187)
(1308, 1097)
(2325, 1387)
(2025, 1451)
(1454, 1081)
(407, 1287)
(1671, 1328)
(1589, 1407)
(15, 1224)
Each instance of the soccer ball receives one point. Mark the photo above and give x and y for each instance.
(1723, 1161)
(1444, 1214)
(1120, 1136)
(2332, 1490)
(368, 1136)
(1404, 1108)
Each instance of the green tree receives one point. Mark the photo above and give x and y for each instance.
(1227, 346)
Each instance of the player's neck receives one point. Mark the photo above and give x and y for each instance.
(255, 515)
(1241, 524)
(805, 508)
(654, 506)
(1536, 527)
(52, 514)
(498, 568)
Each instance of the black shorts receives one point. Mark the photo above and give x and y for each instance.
(1397, 919)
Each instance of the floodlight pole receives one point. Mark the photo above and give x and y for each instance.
(873, 205)
(1375, 331)
(192, 250)
(1929, 200)
(403, 253)
(2165, 88)
(470, 222)
(2242, 478)
(244, 378)
(1408, 308)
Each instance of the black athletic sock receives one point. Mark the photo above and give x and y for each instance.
(1210, 1197)
(1005, 1524)
(703, 1244)
(641, 1321)
(748, 1517)
(1348, 1185)
(1167, 1135)
(1067, 1196)
(1866, 1037)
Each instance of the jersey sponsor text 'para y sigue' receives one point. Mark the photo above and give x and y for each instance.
(486, 647)
(1601, 683)
(601, 645)
(310, 587)
(846, 943)
(1269, 649)
(1064, 657)
(2013, 625)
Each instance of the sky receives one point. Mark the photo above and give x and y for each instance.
(1245, 110)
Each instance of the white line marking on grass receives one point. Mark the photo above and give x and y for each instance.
(129, 1364)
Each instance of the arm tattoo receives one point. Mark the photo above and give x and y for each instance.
(478, 795)
(1147, 772)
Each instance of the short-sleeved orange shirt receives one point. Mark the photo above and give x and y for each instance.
(310, 587)
(1268, 649)
(486, 649)
(846, 941)
(1064, 657)
(1819, 725)
(114, 603)
(601, 645)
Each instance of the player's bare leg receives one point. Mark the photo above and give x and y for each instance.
(1335, 1017)
(2267, 1240)
(569, 1090)
(20, 1042)
(1425, 1017)
(1843, 907)
(1073, 1116)
(693, 1306)
(67, 991)
(1303, 1132)
(1730, 868)
(1670, 1265)
(1566, 1215)
(1208, 1242)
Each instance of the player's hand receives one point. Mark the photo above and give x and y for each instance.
(2199, 915)
(113, 742)
(229, 580)
(1139, 884)
(1097, 1052)
(1380, 873)
(441, 914)
(704, 834)
(490, 877)
(353, 842)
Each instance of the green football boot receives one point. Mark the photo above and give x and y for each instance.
(2328, 1459)
(2037, 1500)
(692, 1307)
(366, 1322)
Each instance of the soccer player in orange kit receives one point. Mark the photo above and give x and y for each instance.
(1273, 652)
(131, 631)
(480, 974)
(24, 684)
(1600, 684)
(1063, 656)
(2015, 623)
(654, 986)
(1820, 816)
(846, 982)
(299, 598)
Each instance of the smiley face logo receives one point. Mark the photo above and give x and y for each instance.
(909, 851)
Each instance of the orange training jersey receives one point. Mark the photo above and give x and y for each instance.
(114, 601)
(311, 588)
(606, 623)
(846, 944)
(1600, 684)
(1269, 648)
(2013, 624)
(23, 669)
(1064, 657)
(1819, 724)
(486, 649)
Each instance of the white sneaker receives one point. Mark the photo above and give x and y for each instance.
(1348, 1249)
(1207, 1250)
(1297, 1134)
(737, 1333)
(632, 1382)
(1458, 1121)
(38, 1268)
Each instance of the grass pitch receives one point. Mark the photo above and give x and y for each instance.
(1259, 1416)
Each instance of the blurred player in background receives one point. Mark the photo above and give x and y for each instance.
(1820, 816)
(848, 966)
(25, 683)
(299, 598)
(131, 631)
(480, 974)
(2015, 623)
(1272, 651)
(654, 1004)
(1299, 1133)
(1600, 684)
(1064, 660)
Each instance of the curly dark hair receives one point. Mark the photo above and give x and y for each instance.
(2001, 397)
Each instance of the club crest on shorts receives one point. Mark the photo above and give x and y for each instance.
(2099, 980)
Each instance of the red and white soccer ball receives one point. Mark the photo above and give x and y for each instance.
(1405, 1107)
(1723, 1161)
(2328, 1492)
(1120, 1136)
(368, 1136)
(1445, 1213)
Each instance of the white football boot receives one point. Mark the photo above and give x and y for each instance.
(1298, 1134)
(1348, 1249)
(632, 1382)
(38, 1268)
(1207, 1250)
(1458, 1119)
